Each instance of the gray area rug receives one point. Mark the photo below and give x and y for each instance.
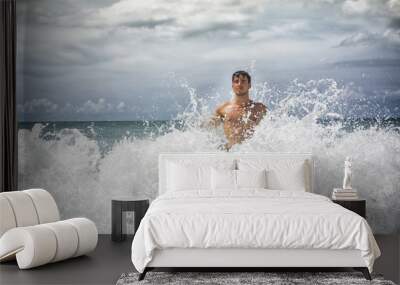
(225, 278)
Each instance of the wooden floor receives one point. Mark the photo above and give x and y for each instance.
(111, 259)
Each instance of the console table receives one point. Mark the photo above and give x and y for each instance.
(119, 205)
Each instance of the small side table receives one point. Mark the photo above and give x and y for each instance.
(358, 206)
(120, 205)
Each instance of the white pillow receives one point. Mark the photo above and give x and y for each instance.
(188, 177)
(223, 179)
(282, 174)
(251, 178)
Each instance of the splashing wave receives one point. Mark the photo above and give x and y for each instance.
(306, 117)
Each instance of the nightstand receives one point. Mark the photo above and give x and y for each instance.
(358, 206)
(123, 204)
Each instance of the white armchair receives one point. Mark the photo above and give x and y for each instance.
(31, 230)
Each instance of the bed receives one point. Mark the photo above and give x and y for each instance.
(247, 210)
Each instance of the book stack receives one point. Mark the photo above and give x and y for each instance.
(344, 194)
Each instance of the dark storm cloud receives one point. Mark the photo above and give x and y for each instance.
(38, 63)
(69, 55)
(302, 27)
(49, 12)
(151, 24)
(41, 71)
(394, 23)
(386, 40)
(333, 26)
(216, 27)
(75, 52)
(360, 38)
(370, 63)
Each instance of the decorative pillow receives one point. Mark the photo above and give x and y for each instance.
(188, 177)
(223, 179)
(251, 178)
(282, 174)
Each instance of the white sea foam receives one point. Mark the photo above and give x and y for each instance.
(83, 179)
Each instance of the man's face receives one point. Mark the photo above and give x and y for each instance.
(240, 85)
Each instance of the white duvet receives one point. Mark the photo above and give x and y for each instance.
(250, 219)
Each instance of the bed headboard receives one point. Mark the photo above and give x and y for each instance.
(164, 158)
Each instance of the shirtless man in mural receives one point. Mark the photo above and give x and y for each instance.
(240, 115)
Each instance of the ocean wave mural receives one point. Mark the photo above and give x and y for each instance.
(105, 86)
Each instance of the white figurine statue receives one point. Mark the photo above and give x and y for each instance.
(347, 173)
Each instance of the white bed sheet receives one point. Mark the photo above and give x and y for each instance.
(253, 218)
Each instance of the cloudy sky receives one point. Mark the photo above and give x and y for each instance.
(128, 59)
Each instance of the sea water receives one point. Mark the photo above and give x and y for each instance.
(85, 164)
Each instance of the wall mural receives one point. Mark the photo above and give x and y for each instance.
(105, 86)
